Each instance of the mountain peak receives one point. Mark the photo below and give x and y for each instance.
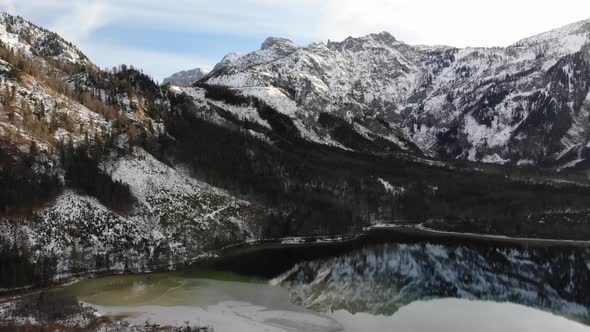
(186, 77)
(272, 42)
(384, 36)
(375, 39)
(22, 35)
(566, 39)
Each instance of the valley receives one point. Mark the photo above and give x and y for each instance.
(368, 154)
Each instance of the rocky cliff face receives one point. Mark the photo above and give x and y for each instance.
(522, 104)
(186, 77)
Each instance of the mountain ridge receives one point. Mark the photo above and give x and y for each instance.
(18, 32)
(413, 87)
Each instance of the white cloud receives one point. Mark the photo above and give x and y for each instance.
(81, 20)
(8, 6)
(450, 22)
(456, 22)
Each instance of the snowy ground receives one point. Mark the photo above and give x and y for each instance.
(177, 219)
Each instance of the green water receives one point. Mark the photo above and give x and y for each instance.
(227, 302)
(165, 289)
(396, 287)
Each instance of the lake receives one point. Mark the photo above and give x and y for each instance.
(393, 286)
(414, 286)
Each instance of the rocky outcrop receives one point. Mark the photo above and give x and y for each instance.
(186, 77)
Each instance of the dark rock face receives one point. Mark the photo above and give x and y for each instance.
(186, 77)
(285, 46)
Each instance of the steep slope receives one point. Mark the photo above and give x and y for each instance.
(478, 104)
(174, 221)
(81, 195)
(27, 38)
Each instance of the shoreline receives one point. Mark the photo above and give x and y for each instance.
(417, 232)
(421, 230)
(378, 233)
(279, 253)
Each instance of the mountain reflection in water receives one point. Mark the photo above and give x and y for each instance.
(382, 279)
(381, 287)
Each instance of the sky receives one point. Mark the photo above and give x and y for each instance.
(163, 37)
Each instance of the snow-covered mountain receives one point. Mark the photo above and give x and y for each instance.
(186, 77)
(526, 103)
(23, 36)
